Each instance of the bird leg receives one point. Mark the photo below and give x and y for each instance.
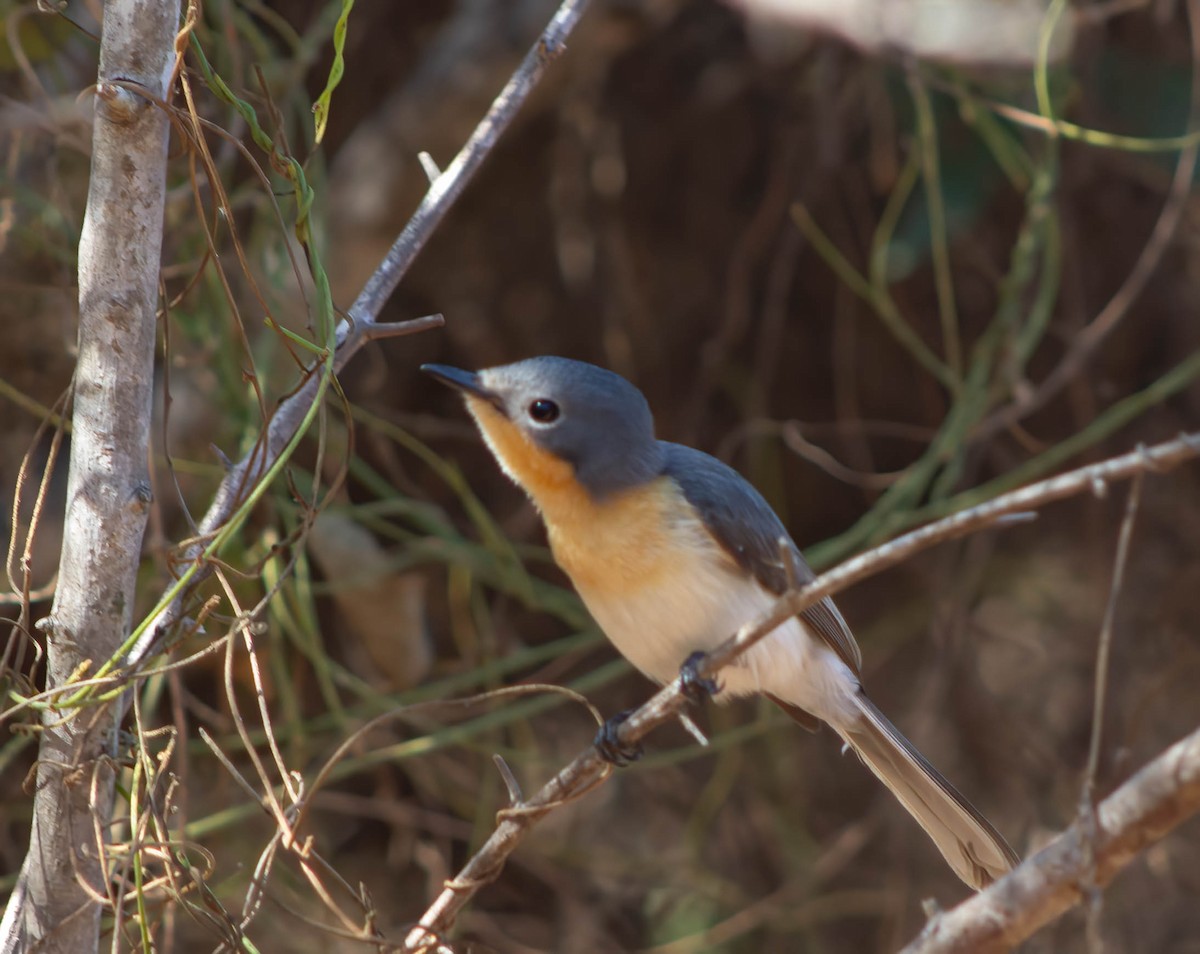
(695, 687)
(609, 745)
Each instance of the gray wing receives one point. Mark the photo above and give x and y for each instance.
(749, 530)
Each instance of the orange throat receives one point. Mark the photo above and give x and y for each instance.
(542, 475)
(603, 546)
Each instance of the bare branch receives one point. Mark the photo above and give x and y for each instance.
(56, 902)
(447, 187)
(588, 770)
(1139, 813)
(362, 326)
(1004, 508)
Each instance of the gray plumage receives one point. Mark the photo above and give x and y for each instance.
(601, 407)
(750, 531)
(745, 525)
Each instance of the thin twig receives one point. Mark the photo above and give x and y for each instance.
(1085, 342)
(935, 206)
(361, 325)
(1087, 796)
(588, 769)
(447, 187)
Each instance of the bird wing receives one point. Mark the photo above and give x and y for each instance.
(746, 527)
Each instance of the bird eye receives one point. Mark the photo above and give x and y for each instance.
(543, 411)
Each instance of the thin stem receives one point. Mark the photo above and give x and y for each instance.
(449, 185)
(936, 208)
(291, 415)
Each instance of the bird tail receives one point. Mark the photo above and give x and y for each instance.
(968, 842)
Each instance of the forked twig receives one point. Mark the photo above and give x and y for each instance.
(361, 325)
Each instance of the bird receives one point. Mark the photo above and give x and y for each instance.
(672, 551)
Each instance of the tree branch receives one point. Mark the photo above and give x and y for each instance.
(56, 904)
(1139, 813)
(447, 187)
(362, 326)
(588, 770)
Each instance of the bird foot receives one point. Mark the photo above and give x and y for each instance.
(692, 684)
(609, 745)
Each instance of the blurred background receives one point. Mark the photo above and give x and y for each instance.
(853, 252)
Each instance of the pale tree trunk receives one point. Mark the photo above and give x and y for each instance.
(55, 906)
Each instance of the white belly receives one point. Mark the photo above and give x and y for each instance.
(661, 588)
(697, 607)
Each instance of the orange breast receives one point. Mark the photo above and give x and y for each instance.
(619, 545)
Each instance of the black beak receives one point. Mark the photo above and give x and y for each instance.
(466, 381)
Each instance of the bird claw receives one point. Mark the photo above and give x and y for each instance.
(692, 684)
(609, 745)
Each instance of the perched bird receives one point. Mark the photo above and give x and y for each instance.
(672, 552)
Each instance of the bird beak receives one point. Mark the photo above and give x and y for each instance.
(466, 381)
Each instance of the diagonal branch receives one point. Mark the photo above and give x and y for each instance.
(447, 187)
(588, 770)
(361, 325)
(1142, 811)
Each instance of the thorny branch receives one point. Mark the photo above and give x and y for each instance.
(588, 770)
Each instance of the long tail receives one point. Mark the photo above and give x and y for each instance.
(968, 842)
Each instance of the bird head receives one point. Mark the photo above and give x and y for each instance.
(554, 424)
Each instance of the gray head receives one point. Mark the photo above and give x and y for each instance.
(591, 418)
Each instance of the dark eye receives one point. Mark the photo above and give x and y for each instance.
(543, 411)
